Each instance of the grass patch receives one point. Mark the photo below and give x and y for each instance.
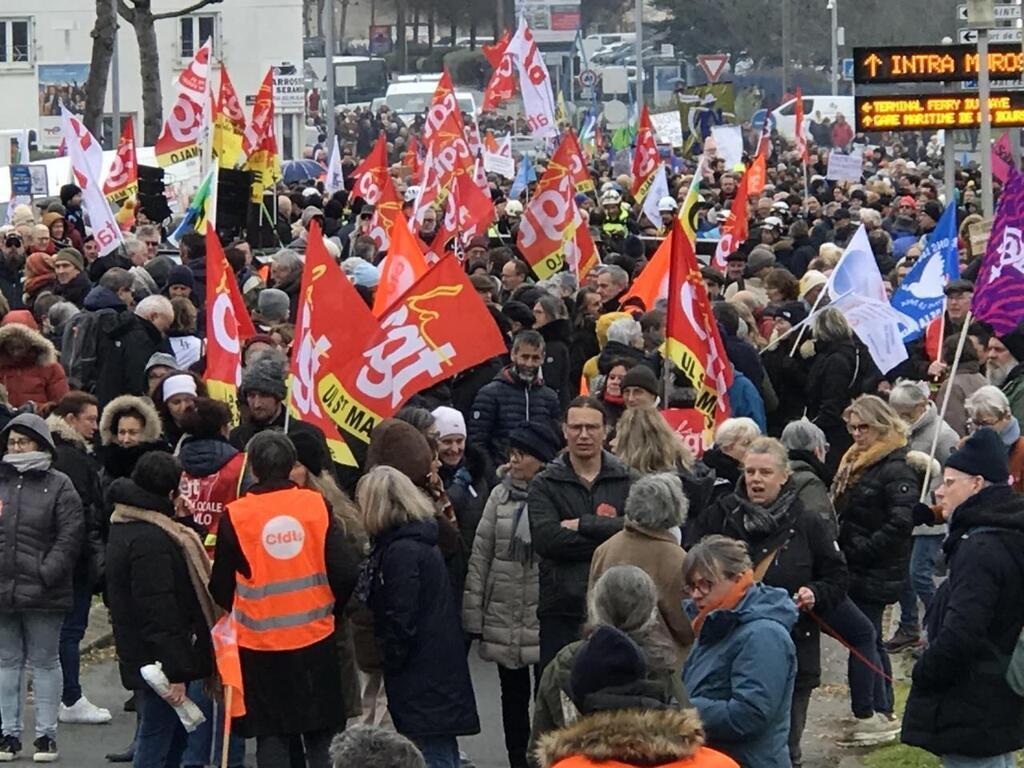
(900, 755)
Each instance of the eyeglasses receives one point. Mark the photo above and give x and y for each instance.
(973, 424)
(702, 587)
(19, 442)
(949, 482)
(577, 428)
(854, 429)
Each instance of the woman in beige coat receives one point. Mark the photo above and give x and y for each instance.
(656, 509)
(500, 602)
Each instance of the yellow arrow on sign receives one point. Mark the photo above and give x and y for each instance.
(872, 62)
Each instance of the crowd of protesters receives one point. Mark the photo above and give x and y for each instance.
(641, 603)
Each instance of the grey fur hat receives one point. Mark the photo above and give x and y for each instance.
(267, 374)
(657, 502)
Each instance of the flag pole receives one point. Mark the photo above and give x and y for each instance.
(799, 326)
(814, 308)
(287, 404)
(945, 404)
(942, 328)
(225, 740)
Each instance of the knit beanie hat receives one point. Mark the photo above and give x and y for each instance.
(50, 218)
(72, 256)
(518, 312)
(537, 440)
(266, 374)
(1014, 342)
(643, 377)
(449, 421)
(984, 454)
(397, 444)
(181, 275)
(310, 450)
(609, 659)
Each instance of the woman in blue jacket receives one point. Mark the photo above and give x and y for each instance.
(405, 584)
(741, 670)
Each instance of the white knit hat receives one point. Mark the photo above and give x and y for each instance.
(449, 421)
(179, 384)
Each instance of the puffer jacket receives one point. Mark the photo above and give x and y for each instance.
(811, 480)
(875, 523)
(558, 494)
(28, 367)
(500, 601)
(740, 674)
(41, 531)
(507, 403)
(669, 738)
(467, 486)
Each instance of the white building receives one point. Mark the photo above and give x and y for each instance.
(45, 48)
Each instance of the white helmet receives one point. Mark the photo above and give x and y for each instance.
(667, 204)
(411, 193)
(610, 197)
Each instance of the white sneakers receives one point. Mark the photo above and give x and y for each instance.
(84, 711)
(872, 731)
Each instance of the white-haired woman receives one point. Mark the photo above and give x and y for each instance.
(793, 548)
(839, 372)
(912, 402)
(808, 447)
(416, 622)
(874, 492)
(725, 457)
(656, 509)
(989, 407)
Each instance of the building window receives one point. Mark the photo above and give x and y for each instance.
(15, 41)
(194, 32)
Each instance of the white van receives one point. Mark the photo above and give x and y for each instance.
(410, 99)
(816, 107)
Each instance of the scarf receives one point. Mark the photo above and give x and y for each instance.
(26, 462)
(760, 522)
(192, 549)
(856, 460)
(729, 600)
(520, 546)
(1010, 434)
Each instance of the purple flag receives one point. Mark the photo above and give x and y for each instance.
(999, 290)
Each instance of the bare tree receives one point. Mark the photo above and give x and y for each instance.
(139, 13)
(103, 34)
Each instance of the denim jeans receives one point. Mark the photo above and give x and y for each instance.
(160, 740)
(962, 761)
(439, 751)
(920, 581)
(204, 743)
(881, 688)
(30, 639)
(853, 627)
(71, 633)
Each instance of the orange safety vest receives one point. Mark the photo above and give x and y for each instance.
(702, 758)
(287, 602)
(207, 496)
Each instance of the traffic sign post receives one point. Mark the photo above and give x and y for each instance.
(995, 35)
(713, 65)
(847, 69)
(999, 12)
(588, 78)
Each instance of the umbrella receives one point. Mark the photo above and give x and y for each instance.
(301, 170)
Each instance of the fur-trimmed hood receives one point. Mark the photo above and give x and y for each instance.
(39, 350)
(631, 736)
(64, 433)
(151, 429)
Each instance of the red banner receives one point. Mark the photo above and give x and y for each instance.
(227, 326)
(502, 85)
(688, 423)
(371, 174)
(437, 329)
(179, 138)
(801, 138)
(736, 229)
(692, 340)
(123, 177)
(645, 157)
(262, 114)
(582, 181)
(260, 141)
(403, 266)
(496, 51)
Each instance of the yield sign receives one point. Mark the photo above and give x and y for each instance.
(713, 64)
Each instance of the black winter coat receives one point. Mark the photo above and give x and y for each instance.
(746, 359)
(557, 364)
(960, 702)
(505, 404)
(788, 375)
(418, 629)
(41, 530)
(558, 494)
(584, 346)
(122, 355)
(831, 386)
(153, 605)
(467, 385)
(876, 517)
(74, 291)
(614, 351)
(805, 555)
(468, 485)
(288, 692)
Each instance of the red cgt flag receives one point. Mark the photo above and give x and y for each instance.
(496, 51)
(692, 341)
(372, 173)
(645, 157)
(736, 229)
(123, 177)
(582, 181)
(227, 326)
(403, 266)
(437, 329)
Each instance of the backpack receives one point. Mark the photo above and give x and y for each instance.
(81, 346)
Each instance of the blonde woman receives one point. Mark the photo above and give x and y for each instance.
(874, 493)
(416, 621)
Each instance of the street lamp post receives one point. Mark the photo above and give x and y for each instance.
(981, 16)
(833, 6)
(639, 12)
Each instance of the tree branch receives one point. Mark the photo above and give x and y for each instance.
(128, 14)
(185, 11)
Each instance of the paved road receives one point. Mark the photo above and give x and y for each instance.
(84, 746)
